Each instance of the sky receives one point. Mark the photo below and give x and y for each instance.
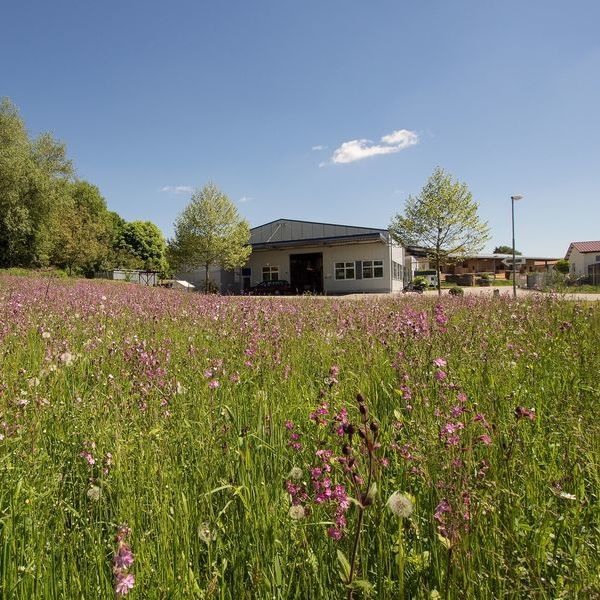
(321, 110)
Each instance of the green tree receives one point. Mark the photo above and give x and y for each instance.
(82, 230)
(210, 232)
(443, 219)
(562, 266)
(506, 250)
(144, 241)
(31, 177)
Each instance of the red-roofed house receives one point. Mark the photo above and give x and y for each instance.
(584, 259)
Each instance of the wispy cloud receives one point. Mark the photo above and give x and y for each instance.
(319, 147)
(177, 189)
(354, 150)
(245, 199)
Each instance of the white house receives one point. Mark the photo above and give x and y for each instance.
(584, 260)
(321, 258)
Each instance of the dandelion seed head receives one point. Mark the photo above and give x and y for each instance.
(297, 512)
(94, 493)
(296, 473)
(401, 505)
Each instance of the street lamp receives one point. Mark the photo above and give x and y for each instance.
(514, 266)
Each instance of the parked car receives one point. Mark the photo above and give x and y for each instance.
(277, 287)
(414, 287)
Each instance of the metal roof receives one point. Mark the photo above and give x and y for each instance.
(317, 223)
(323, 241)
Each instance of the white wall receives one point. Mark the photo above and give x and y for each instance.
(197, 277)
(579, 261)
(331, 255)
(397, 256)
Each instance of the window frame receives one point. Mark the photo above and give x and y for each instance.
(270, 270)
(346, 267)
(372, 266)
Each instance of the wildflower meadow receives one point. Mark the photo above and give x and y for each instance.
(157, 444)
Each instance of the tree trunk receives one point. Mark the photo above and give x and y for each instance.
(206, 277)
(439, 275)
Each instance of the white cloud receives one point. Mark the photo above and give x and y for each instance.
(402, 137)
(319, 147)
(177, 189)
(355, 150)
(245, 199)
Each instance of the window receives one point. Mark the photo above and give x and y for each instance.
(397, 270)
(597, 257)
(345, 270)
(270, 273)
(372, 269)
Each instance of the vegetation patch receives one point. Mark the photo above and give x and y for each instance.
(157, 444)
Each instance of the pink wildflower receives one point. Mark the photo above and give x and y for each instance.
(524, 413)
(124, 583)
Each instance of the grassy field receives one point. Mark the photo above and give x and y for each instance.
(165, 445)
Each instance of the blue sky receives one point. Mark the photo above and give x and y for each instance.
(155, 98)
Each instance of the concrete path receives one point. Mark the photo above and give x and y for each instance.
(521, 293)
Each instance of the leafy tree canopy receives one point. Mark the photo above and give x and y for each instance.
(144, 241)
(443, 218)
(506, 250)
(210, 232)
(47, 216)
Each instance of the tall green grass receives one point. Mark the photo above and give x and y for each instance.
(199, 473)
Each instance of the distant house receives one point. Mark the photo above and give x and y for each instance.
(584, 260)
(500, 264)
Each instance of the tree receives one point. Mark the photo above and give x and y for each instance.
(562, 266)
(144, 241)
(31, 176)
(81, 230)
(443, 219)
(210, 232)
(506, 250)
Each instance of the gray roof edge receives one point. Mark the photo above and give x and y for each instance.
(318, 223)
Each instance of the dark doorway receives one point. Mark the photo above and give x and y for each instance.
(306, 272)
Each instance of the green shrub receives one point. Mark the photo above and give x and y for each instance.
(456, 291)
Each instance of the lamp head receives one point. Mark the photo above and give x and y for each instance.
(518, 197)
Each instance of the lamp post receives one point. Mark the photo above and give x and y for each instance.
(514, 265)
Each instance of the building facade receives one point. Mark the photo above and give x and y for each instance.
(324, 258)
(584, 260)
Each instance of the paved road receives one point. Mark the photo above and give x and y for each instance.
(505, 292)
(521, 293)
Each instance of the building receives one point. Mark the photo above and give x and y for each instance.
(500, 265)
(584, 260)
(131, 275)
(319, 258)
(325, 258)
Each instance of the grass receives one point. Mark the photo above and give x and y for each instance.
(200, 421)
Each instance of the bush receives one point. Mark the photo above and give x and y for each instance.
(562, 266)
(456, 291)
(48, 272)
(420, 281)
